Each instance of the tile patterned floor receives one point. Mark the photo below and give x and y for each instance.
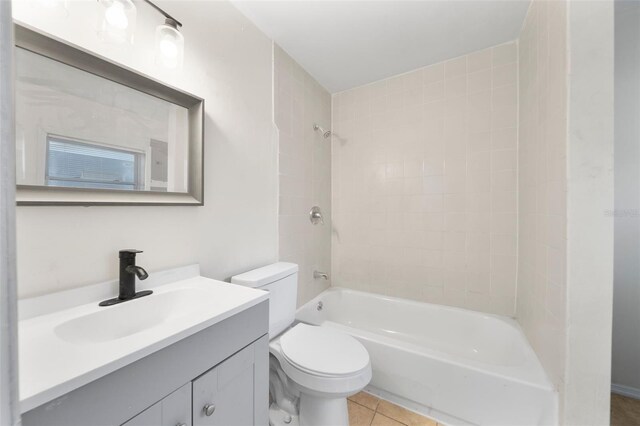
(625, 411)
(368, 410)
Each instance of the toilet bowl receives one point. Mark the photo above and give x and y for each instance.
(312, 369)
(323, 368)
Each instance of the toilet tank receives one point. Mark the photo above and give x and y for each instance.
(281, 281)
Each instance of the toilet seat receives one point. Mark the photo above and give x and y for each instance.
(323, 352)
(322, 361)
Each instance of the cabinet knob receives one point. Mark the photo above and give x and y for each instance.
(209, 409)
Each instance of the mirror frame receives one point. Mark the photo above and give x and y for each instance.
(66, 53)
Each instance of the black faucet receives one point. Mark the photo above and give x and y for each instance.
(128, 273)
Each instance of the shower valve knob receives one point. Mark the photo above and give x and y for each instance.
(315, 216)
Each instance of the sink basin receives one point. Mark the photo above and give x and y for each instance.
(66, 340)
(125, 319)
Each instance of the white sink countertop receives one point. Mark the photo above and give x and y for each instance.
(63, 347)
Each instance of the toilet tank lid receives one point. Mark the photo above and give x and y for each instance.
(265, 275)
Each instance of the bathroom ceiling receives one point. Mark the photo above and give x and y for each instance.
(345, 44)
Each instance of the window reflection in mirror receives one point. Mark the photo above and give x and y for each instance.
(76, 129)
(87, 165)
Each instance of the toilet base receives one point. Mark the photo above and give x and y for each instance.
(279, 417)
(318, 411)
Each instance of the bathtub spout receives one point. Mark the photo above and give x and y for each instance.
(318, 274)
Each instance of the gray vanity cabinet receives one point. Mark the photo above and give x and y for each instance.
(173, 410)
(225, 396)
(225, 365)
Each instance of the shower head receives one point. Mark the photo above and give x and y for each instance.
(325, 133)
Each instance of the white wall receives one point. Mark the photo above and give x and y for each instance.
(228, 62)
(590, 198)
(304, 172)
(565, 278)
(626, 314)
(424, 183)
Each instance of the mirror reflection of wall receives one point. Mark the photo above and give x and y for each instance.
(76, 129)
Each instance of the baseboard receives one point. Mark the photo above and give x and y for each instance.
(625, 391)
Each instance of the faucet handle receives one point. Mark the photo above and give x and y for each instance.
(129, 252)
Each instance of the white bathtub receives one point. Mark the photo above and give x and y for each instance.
(455, 365)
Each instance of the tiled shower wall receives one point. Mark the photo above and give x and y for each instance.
(424, 183)
(542, 183)
(304, 172)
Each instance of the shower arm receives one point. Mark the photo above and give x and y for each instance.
(325, 133)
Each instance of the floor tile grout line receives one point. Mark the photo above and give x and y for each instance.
(378, 403)
(391, 418)
(377, 412)
(362, 405)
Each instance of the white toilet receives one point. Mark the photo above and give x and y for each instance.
(312, 369)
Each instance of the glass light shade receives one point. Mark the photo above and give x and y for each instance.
(117, 20)
(169, 45)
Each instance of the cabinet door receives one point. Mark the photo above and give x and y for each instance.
(176, 408)
(173, 410)
(224, 396)
(150, 417)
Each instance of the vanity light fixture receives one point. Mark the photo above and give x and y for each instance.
(118, 24)
(169, 44)
(118, 20)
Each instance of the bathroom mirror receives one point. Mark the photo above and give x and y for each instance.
(91, 132)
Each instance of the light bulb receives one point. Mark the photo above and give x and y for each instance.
(118, 20)
(115, 16)
(169, 45)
